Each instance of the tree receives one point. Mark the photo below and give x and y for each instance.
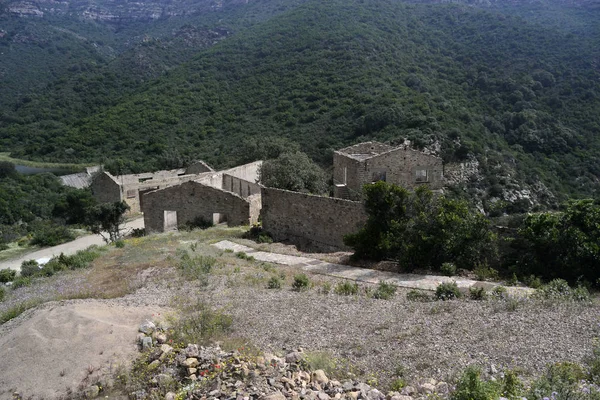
(293, 171)
(561, 244)
(72, 206)
(107, 217)
(420, 230)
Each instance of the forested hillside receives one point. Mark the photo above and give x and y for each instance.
(519, 91)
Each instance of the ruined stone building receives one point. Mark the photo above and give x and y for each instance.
(369, 162)
(231, 196)
(170, 199)
(107, 188)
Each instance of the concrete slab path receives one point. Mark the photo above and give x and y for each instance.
(68, 248)
(414, 281)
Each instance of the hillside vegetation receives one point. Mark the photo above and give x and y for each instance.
(523, 97)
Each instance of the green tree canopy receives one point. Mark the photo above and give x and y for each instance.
(293, 171)
(420, 230)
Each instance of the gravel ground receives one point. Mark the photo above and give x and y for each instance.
(427, 340)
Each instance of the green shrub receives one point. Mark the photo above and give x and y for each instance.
(533, 282)
(346, 288)
(448, 269)
(301, 282)
(197, 223)
(51, 235)
(274, 283)
(471, 387)
(4, 246)
(243, 256)
(447, 291)
(484, 273)
(119, 244)
(201, 326)
(2, 293)
(559, 381)
(138, 232)
(398, 384)
(593, 364)
(196, 268)
(384, 291)
(29, 268)
(499, 291)
(21, 281)
(477, 293)
(559, 289)
(7, 275)
(418, 295)
(512, 387)
(326, 288)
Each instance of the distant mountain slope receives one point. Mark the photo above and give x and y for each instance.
(521, 96)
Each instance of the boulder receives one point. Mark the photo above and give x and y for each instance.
(319, 377)
(147, 327)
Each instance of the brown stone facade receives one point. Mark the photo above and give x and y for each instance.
(357, 165)
(314, 222)
(192, 200)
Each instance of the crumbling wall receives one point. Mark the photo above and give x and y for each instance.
(247, 172)
(239, 186)
(400, 167)
(310, 221)
(106, 189)
(347, 177)
(192, 200)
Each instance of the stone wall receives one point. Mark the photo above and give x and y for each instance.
(193, 200)
(106, 189)
(310, 221)
(398, 166)
(239, 186)
(247, 172)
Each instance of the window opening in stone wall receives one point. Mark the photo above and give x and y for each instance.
(345, 175)
(142, 180)
(379, 176)
(421, 175)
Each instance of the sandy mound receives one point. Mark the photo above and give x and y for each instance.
(56, 347)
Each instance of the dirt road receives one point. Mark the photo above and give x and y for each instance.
(66, 248)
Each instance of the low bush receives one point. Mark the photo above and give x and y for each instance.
(477, 293)
(2, 293)
(559, 289)
(4, 246)
(384, 291)
(274, 283)
(7, 275)
(21, 281)
(301, 282)
(119, 244)
(138, 232)
(418, 295)
(29, 268)
(346, 288)
(447, 291)
(196, 268)
(499, 292)
(197, 223)
(243, 256)
(448, 269)
(202, 326)
(560, 381)
(533, 282)
(471, 387)
(397, 385)
(484, 273)
(51, 235)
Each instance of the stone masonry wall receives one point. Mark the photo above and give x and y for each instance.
(192, 200)
(239, 186)
(106, 189)
(346, 171)
(400, 166)
(307, 220)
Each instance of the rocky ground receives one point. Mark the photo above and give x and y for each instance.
(356, 338)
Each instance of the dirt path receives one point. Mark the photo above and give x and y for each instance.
(66, 248)
(67, 345)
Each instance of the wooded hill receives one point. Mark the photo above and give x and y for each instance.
(519, 91)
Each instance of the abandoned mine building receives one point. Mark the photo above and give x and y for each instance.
(170, 199)
(368, 162)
